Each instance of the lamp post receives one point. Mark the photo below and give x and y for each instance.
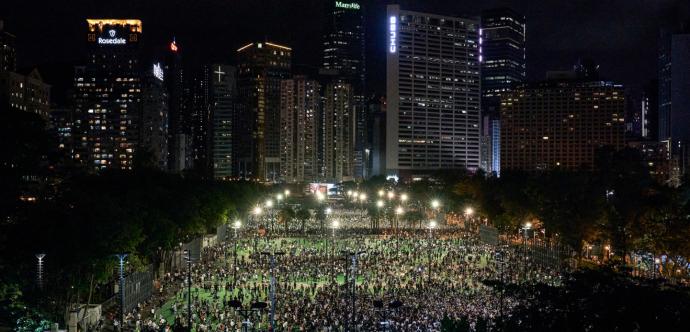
(398, 212)
(272, 294)
(188, 256)
(384, 312)
(121, 258)
(432, 225)
(352, 256)
(525, 229)
(607, 248)
(468, 216)
(269, 214)
(256, 213)
(39, 271)
(247, 312)
(435, 205)
(236, 226)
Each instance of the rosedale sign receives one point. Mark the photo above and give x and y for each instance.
(112, 40)
(346, 5)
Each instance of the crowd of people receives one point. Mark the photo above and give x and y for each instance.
(428, 274)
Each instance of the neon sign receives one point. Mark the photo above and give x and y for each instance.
(346, 5)
(112, 40)
(392, 34)
(158, 71)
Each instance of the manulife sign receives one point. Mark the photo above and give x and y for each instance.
(346, 5)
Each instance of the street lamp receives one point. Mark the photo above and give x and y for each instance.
(398, 211)
(362, 197)
(269, 203)
(608, 251)
(121, 258)
(525, 229)
(435, 204)
(379, 203)
(404, 198)
(381, 193)
(272, 293)
(246, 312)
(391, 195)
(432, 225)
(279, 197)
(39, 271)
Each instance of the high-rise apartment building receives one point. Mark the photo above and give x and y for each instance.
(26, 93)
(674, 96)
(200, 114)
(108, 95)
(180, 150)
(153, 126)
(261, 68)
(344, 55)
(20, 91)
(560, 123)
(223, 100)
(300, 106)
(503, 64)
(433, 91)
(8, 52)
(338, 125)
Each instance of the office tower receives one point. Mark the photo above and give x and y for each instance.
(300, 105)
(503, 63)
(433, 83)
(560, 123)
(179, 119)
(344, 55)
(674, 99)
(8, 52)
(200, 115)
(650, 111)
(338, 125)
(223, 96)
(24, 91)
(108, 95)
(377, 116)
(153, 127)
(261, 68)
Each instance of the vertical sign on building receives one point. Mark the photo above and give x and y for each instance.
(393, 34)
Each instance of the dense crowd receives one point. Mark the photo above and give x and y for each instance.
(432, 274)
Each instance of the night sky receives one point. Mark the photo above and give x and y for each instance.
(620, 35)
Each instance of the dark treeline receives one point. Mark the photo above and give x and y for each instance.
(618, 204)
(81, 221)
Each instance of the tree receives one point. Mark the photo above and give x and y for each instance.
(285, 216)
(303, 214)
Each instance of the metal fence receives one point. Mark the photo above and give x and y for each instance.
(138, 287)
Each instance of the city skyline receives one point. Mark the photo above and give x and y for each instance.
(606, 32)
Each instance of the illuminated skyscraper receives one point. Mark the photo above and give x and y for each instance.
(153, 126)
(338, 128)
(108, 95)
(300, 105)
(433, 97)
(261, 68)
(223, 100)
(674, 93)
(344, 56)
(179, 130)
(502, 53)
